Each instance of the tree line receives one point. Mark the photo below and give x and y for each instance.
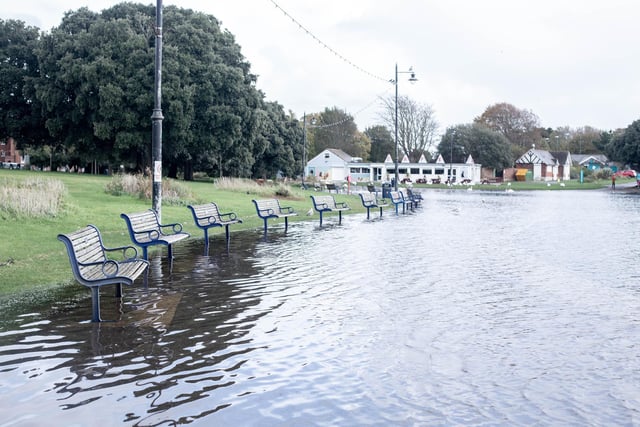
(82, 95)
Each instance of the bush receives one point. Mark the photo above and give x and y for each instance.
(173, 192)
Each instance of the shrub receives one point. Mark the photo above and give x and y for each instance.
(173, 192)
(31, 198)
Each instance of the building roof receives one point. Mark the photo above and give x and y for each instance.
(344, 156)
(583, 159)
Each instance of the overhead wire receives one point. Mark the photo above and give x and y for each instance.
(342, 57)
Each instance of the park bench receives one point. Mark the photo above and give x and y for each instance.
(208, 215)
(398, 198)
(332, 187)
(328, 204)
(145, 230)
(415, 197)
(270, 208)
(93, 265)
(369, 200)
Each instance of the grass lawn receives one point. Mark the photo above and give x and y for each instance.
(32, 257)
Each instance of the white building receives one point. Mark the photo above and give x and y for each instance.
(337, 166)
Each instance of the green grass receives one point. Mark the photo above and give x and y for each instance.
(31, 256)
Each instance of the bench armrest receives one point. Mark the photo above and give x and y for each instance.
(109, 267)
(124, 250)
(231, 216)
(287, 210)
(267, 212)
(342, 205)
(175, 228)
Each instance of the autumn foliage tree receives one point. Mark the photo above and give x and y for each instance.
(520, 127)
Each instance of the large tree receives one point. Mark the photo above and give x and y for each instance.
(624, 146)
(19, 112)
(381, 143)
(487, 147)
(335, 128)
(417, 125)
(520, 127)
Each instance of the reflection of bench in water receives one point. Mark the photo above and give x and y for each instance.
(94, 266)
(328, 204)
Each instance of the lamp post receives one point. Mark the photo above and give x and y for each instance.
(411, 79)
(451, 157)
(304, 143)
(156, 118)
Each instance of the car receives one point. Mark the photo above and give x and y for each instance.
(629, 173)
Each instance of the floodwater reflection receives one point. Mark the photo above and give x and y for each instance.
(480, 308)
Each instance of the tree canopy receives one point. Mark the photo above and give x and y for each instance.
(487, 147)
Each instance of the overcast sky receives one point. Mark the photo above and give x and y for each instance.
(572, 63)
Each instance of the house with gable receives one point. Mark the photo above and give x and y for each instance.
(546, 165)
(329, 165)
(590, 161)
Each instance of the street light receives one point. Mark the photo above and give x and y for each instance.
(411, 79)
(304, 143)
(453, 131)
(156, 118)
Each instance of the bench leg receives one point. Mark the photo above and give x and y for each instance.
(339, 217)
(145, 253)
(286, 223)
(320, 218)
(265, 226)
(380, 212)
(119, 290)
(368, 212)
(95, 303)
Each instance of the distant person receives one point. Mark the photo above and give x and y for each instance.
(613, 182)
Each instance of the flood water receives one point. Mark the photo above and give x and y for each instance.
(478, 309)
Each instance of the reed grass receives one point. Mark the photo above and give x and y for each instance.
(31, 198)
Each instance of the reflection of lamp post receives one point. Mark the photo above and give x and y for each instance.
(411, 79)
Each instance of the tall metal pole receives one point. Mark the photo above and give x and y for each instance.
(156, 118)
(395, 185)
(451, 159)
(304, 145)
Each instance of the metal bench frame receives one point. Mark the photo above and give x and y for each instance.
(369, 200)
(398, 198)
(328, 204)
(270, 208)
(145, 230)
(92, 266)
(208, 215)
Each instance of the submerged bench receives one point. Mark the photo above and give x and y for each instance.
(415, 197)
(145, 230)
(270, 208)
(208, 215)
(398, 198)
(92, 267)
(328, 204)
(369, 200)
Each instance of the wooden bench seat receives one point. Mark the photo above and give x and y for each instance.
(369, 200)
(328, 204)
(208, 215)
(145, 230)
(93, 265)
(270, 208)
